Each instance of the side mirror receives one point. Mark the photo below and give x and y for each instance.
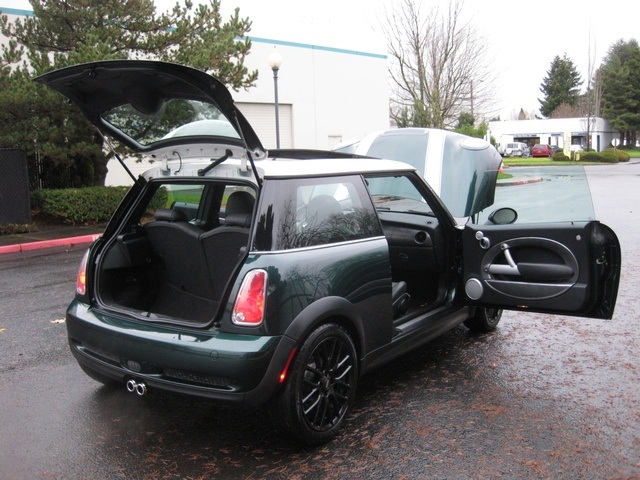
(503, 216)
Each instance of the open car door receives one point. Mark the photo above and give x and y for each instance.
(568, 267)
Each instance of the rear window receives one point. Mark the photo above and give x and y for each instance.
(174, 118)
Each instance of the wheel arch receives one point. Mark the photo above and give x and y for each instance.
(336, 310)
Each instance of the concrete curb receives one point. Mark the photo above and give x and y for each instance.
(57, 242)
(517, 182)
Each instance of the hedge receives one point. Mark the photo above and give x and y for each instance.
(621, 156)
(78, 205)
(602, 157)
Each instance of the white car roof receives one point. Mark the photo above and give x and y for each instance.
(175, 166)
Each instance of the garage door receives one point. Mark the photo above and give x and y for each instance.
(262, 117)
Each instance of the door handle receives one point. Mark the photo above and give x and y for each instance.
(531, 271)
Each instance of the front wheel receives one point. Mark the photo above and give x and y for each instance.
(484, 320)
(321, 388)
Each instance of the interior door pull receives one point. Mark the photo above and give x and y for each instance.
(530, 271)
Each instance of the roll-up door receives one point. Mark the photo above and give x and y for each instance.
(262, 117)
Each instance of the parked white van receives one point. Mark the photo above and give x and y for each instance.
(515, 149)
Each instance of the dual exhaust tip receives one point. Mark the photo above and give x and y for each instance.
(139, 388)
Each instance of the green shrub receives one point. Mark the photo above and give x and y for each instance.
(590, 157)
(619, 154)
(13, 228)
(609, 157)
(78, 205)
(602, 157)
(560, 157)
(160, 200)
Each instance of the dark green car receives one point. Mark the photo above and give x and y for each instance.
(279, 278)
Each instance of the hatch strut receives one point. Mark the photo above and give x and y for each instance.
(118, 157)
(214, 163)
(247, 150)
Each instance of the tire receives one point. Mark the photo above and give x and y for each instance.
(484, 320)
(316, 399)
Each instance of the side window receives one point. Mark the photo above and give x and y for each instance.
(178, 197)
(318, 211)
(543, 195)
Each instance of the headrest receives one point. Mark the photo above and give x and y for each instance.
(321, 208)
(170, 215)
(238, 220)
(239, 202)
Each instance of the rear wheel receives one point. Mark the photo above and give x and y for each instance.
(321, 388)
(484, 320)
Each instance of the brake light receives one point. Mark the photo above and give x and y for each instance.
(81, 278)
(249, 307)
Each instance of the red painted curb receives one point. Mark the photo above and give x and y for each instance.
(58, 242)
(517, 182)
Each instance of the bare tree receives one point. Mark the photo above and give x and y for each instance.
(591, 95)
(438, 66)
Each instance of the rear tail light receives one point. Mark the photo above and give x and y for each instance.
(249, 307)
(81, 278)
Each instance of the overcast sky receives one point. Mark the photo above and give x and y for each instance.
(523, 37)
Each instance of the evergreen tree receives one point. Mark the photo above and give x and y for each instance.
(561, 85)
(621, 89)
(67, 32)
(466, 126)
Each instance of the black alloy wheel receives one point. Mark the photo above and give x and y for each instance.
(322, 386)
(484, 320)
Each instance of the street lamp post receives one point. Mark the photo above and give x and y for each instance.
(275, 60)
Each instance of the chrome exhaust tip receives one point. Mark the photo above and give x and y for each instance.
(141, 389)
(138, 388)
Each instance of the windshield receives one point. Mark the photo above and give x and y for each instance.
(540, 195)
(174, 118)
(461, 170)
(397, 194)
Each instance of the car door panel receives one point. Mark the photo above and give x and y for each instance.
(571, 268)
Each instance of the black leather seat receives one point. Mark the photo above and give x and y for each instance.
(224, 245)
(399, 298)
(177, 244)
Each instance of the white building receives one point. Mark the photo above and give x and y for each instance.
(326, 95)
(556, 131)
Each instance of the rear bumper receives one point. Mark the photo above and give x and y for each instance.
(232, 368)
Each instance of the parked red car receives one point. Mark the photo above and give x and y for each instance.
(541, 150)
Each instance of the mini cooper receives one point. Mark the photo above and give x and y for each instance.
(279, 278)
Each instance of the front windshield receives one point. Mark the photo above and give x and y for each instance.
(541, 195)
(174, 118)
(397, 194)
